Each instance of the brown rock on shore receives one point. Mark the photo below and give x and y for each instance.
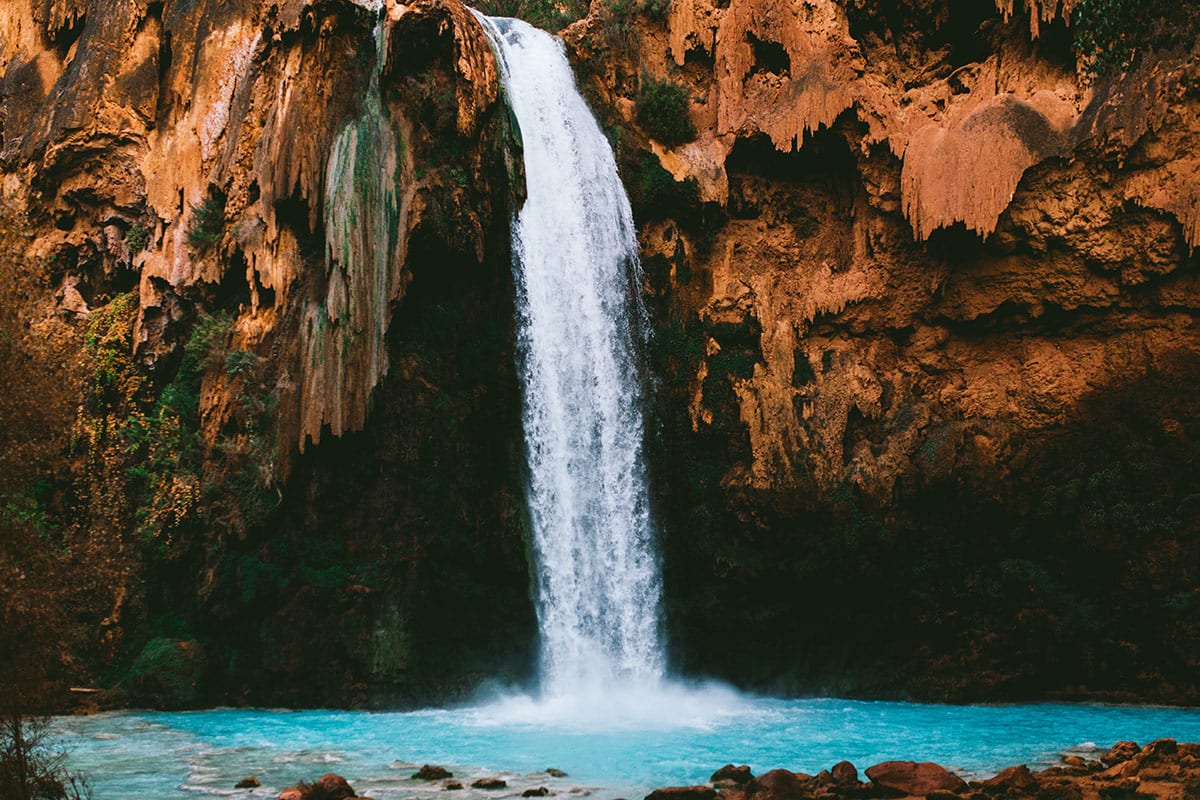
(328, 787)
(683, 793)
(1162, 770)
(911, 778)
(731, 776)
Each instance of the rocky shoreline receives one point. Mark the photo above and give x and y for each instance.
(1162, 770)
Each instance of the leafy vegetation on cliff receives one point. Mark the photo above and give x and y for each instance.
(661, 108)
(207, 224)
(546, 14)
(1114, 35)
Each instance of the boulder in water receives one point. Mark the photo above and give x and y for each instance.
(327, 787)
(781, 784)
(250, 782)
(432, 772)
(541, 791)
(844, 773)
(451, 786)
(915, 779)
(1013, 779)
(1120, 752)
(489, 783)
(330, 787)
(555, 773)
(683, 793)
(1158, 750)
(729, 775)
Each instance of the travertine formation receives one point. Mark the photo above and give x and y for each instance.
(910, 145)
(135, 116)
(922, 297)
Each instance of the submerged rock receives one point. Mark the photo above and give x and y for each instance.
(489, 783)
(432, 772)
(328, 787)
(541, 791)
(555, 773)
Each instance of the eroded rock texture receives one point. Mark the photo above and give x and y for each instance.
(327, 186)
(926, 336)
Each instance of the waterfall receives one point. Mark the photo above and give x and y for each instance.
(579, 320)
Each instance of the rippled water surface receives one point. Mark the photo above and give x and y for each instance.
(611, 746)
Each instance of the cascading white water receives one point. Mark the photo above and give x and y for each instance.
(579, 317)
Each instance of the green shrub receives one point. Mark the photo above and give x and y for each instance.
(661, 108)
(238, 362)
(1112, 36)
(617, 20)
(656, 9)
(108, 342)
(208, 223)
(546, 14)
(166, 673)
(137, 238)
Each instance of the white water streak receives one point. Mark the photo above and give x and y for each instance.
(577, 274)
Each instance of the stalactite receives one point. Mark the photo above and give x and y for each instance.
(344, 334)
(1041, 12)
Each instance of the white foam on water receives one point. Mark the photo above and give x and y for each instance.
(602, 707)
